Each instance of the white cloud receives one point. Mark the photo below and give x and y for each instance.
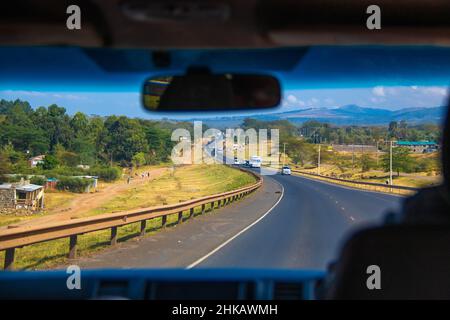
(379, 91)
(24, 93)
(292, 99)
(438, 91)
(314, 102)
(329, 101)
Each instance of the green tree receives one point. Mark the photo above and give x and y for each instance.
(300, 151)
(367, 162)
(4, 165)
(401, 160)
(138, 159)
(56, 124)
(50, 162)
(126, 138)
(66, 158)
(393, 129)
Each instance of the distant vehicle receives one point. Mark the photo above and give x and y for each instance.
(286, 170)
(236, 161)
(255, 162)
(247, 163)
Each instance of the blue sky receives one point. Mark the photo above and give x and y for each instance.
(128, 103)
(107, 81)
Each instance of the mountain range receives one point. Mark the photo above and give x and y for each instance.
(344, 115)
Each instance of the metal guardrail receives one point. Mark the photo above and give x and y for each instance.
(370, 185)
(18, 237)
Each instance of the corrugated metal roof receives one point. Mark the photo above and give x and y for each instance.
(416, 143)
(29, 188)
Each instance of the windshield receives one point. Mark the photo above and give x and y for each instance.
(106, 184)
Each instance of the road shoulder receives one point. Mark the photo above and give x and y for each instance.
(181, 245)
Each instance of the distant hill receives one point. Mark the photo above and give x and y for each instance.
(344, 115)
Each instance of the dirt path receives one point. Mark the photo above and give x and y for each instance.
(83, 203)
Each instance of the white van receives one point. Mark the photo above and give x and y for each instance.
(286, 170)
(255, 162)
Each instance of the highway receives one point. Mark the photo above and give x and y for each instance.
(291, 222)
(306, 228)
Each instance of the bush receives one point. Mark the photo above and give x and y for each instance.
(50, 162)
(106, 173)
(12, 179)
(40, 181)
(73, 184)
(63, 171)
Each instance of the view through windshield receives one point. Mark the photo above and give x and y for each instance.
(89, 178)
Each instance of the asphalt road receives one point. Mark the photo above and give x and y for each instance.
(307, 227)
(291, 222)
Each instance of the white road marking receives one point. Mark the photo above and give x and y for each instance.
(197, 262)
(369, 192)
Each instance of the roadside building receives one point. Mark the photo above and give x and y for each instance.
(34, 161)
(419, 146)
(21, 195)
(50, 184)
(353, 148)
(92, 185)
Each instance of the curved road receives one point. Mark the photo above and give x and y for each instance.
(290, 222)
(306, 228)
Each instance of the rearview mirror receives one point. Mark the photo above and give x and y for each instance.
(203, 91)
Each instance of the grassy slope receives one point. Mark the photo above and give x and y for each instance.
(186, 183)
(417, 180)
(183, 184)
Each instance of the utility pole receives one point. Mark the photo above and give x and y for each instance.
(390, 164)
(215, 149)
(353, 157)
(377, 153)
(318, 162)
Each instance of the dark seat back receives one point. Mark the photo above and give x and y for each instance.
(414, 263)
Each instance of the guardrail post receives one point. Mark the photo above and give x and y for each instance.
(9, 258)
(113, 236)
(73, 247)
(143, 226)
(191, 212)
(203, 208)
(212, 205)
(180, 217)
(163, 221)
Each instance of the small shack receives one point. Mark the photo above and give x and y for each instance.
(93, 185)
(419, 146)
(21, 195)
(34, 161)
(50, 184)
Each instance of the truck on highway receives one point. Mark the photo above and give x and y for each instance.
(255, 162)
